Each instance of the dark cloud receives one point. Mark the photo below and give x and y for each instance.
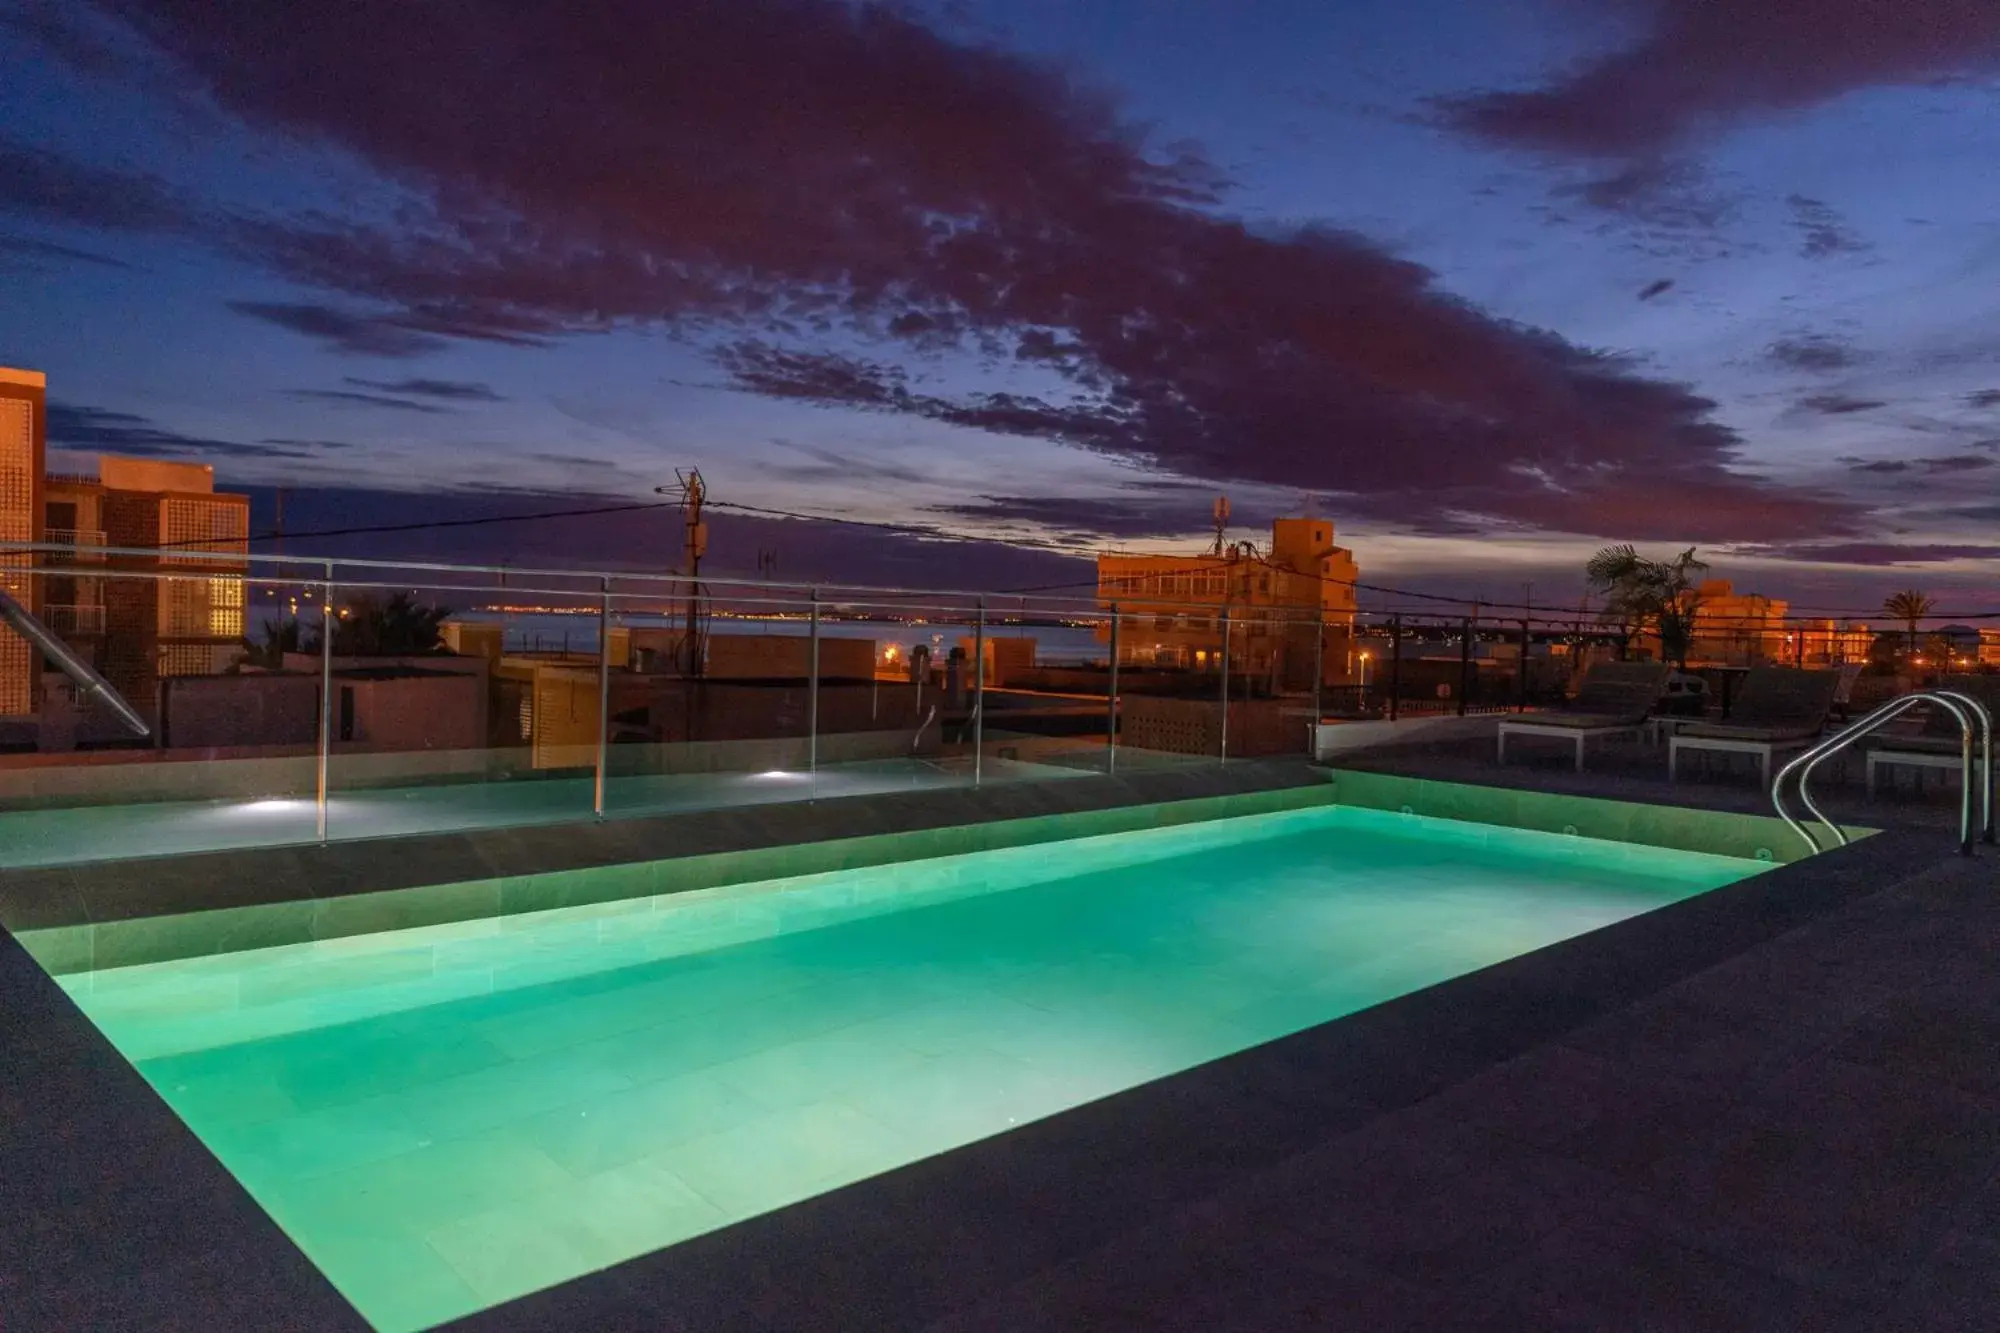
(1813, 351)
(1948, 464)
(342, 330)
(348, 398)
(1837, 404)
(575, 461)
(48, 187)
(831, 465)
(457, 391)
(1983, 398)
(1700, 65)
(1880, 553)
(1822, 231)
(818, 170)
(314, 446)
(1667, 197)
(1181, 511)
(99, 429)
(32, 251)
(66, 31)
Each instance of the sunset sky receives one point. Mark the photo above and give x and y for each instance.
(1491, 284)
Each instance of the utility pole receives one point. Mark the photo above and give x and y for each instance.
(694, 544)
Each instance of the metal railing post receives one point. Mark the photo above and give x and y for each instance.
(1395, 666)
(1521, 685)
(1319, 671)
(1111, 701)
(326, 621)
(1464, 663)
(812, 696)
(1223, 746)
(603, 696)
(978, 692)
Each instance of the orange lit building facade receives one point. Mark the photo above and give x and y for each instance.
(23, 435)
(1171, 606)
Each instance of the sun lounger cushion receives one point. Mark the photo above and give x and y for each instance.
(1719, 731)
(1573, 721)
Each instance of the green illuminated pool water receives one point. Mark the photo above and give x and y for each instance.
(448, 1117)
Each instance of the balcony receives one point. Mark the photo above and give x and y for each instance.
(74, 619)
(83, 540)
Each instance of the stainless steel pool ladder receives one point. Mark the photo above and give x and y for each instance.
(1965, 709)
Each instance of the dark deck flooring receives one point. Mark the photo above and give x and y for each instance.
(1804, 1136)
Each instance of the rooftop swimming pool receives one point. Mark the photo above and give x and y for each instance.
(447, 1117)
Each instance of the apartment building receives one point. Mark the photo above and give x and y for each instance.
(1171, 605)
(23, 446)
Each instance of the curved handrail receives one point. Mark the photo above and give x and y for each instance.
(89, 685)
(1953, 702)
(1985, 716)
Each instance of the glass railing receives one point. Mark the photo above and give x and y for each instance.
(297, 700)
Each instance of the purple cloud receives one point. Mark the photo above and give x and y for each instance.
(1812, 352)
(1880, 553)
(817, 169)
(1823, 232)
(48, 187)
(96, 428)
(1700, 65)
(341, 330)
(349, 398)
(455, 391)
(1838, 404)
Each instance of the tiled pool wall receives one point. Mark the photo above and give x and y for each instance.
(300, 918)
(102, 945)
(1681, 828)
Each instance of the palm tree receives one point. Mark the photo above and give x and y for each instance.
(1660, 591)
(1908, 606)
(398, 627)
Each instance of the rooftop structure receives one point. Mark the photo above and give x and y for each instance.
(1276, 601)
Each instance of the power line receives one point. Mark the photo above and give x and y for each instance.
(1025, 543)
(446, 523)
